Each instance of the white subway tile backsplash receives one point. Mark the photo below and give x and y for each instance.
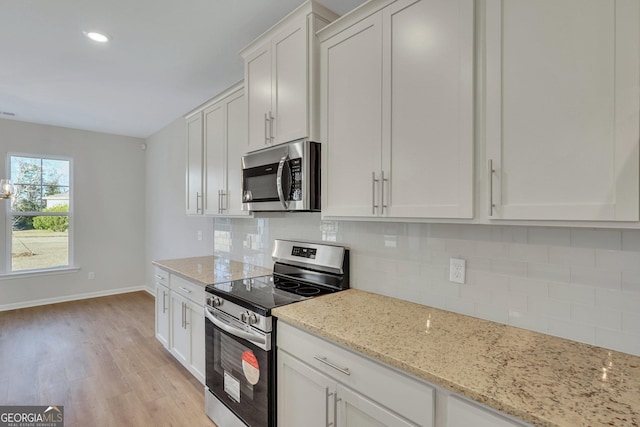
(617, 340)
(631, 322)
(492, 312)
(508, 267)
(526, 286)
(528, 253)
(551, 236)
(617, 300)
(630, 281)
(572, 293)
(572, 256)
(631, 240)
(618, 260)
(552, 272)
(601, 239)
(491, 249)
(573, 331)
(581, 284)
(611, 279)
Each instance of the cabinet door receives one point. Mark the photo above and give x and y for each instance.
(289, 84)
(428, 109)
(258, 90)
(214, 155)
(354, 410)
(162, 314)
(464, 414)
(194, 165)
(180, 340)
(351, 99)
(305, 396)
(562, 109)
(236, 146)
(195, 324)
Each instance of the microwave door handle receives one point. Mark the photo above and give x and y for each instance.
(233, 331)
(279, 182)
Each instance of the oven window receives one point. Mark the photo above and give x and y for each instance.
(239, 375)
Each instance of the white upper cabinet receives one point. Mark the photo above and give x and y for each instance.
(194, 164)
(562, 109)
(397, 111)
(281, 78)
(221, 141)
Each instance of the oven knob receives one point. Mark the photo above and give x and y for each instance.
(244, 316)
(215, 302)
(253, 319)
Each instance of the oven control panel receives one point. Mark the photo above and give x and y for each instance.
(299, 251)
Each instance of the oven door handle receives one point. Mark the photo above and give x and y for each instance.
(280, 183)
(233, 331)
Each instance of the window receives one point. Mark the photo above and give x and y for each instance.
(40, 213)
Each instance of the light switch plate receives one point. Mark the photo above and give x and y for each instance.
(457, 270)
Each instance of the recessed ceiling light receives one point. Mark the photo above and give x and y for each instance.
(97, 37)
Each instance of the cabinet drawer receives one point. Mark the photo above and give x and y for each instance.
(161, 276)
(409, 397)
(188, 289)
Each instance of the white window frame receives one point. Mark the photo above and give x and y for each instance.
(9, 215)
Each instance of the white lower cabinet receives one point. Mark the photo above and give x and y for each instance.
(322, 384)
(461, 413)
(180, 322)
(162, 310)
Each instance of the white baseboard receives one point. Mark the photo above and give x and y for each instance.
(76, 297)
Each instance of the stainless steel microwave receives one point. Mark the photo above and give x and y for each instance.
(282, 178)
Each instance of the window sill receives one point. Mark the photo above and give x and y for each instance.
(35, 273)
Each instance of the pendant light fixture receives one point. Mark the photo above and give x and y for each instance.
(6, 189)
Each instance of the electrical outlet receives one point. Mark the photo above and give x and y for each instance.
(457, 270)
(199, 235)
(91, 275)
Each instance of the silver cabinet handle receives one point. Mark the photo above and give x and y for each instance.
(198, 199)
(225, 197)
(382, 181)
(373, 193)
(271, 118)
(185, 290)
(327, 405)
(334, 366)
(159, 277)
(182, 318)
(266, 123)
(491, 171)
(219, 201)
(164, 302)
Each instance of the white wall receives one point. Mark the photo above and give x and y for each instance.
(170, 232)
(581, 284)
(109, 211)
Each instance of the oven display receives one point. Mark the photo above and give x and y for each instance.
(304, 252)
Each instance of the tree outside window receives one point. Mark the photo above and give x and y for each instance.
(40, 213)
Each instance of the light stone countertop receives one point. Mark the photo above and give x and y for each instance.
(540, 379)
(207, 270)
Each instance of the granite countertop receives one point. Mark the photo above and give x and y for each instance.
(206, 270)
(540, 379)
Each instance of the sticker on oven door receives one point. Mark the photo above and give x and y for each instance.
(232, 387)
(250, 367)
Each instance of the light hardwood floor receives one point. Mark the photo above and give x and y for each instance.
(100, 359)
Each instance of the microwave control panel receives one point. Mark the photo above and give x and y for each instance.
(296, 179)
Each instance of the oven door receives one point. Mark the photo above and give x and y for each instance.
(240, 367)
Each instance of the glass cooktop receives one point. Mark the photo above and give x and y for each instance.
(258, 294)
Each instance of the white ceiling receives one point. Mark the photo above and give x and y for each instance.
(165, 58)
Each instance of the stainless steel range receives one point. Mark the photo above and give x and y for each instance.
(240, 332)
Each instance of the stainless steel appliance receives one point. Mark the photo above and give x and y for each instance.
(282, 178)
(240, 332)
